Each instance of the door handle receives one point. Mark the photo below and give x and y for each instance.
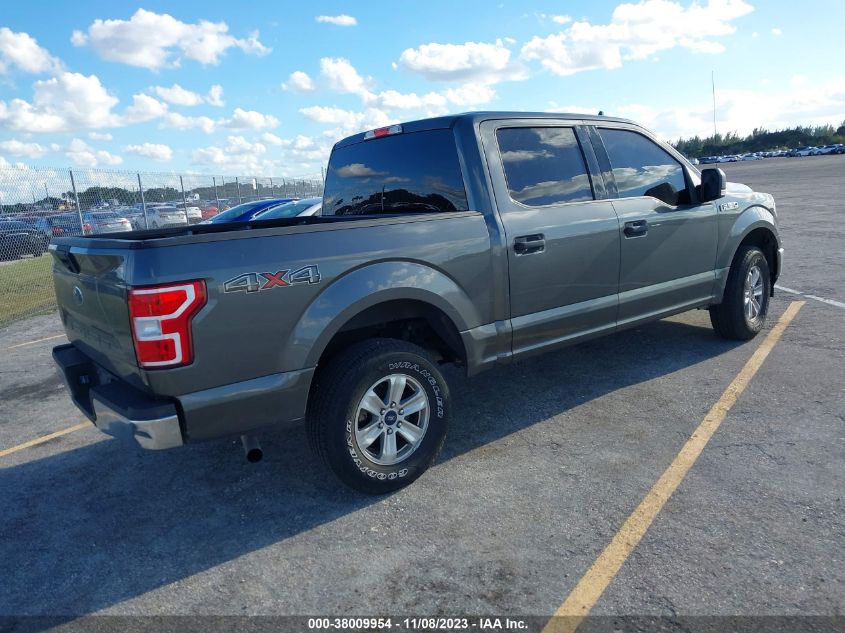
(527, 244)
(636, 228)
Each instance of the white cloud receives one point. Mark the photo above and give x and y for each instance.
(271, 139)
(348, 121)
(22, 51)
(741, 111)
(144, 108)
(478, 62)
(64, 103)
(177, 95)
(394, 100)
(338, 20)
(215, 96)
(299, 82)
(561, 19)
(99, 136)
(14, 147)
(470, 95)
(340, 75)
(155, 151)
(777, 32)
(238, 155)
(250, 119)
(636, 31)
(152, 40)
(179, 121)
(84, 155)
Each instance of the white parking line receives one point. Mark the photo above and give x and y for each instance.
(830, 302)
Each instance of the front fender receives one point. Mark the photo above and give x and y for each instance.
(368, 286)
(752, 218)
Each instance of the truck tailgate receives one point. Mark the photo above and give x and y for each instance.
(91, 295)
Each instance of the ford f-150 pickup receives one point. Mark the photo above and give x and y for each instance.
(474, 239)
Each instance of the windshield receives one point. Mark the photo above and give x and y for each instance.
(288, 210)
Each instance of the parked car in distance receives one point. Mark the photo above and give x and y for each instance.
(295, 208)
(19, 238)
(246, 211)
(835, 148)
(192, 212)
(106, 222)
(68, 225)
(802, 151)
(708, 160)
(163, 215)
(208, 211)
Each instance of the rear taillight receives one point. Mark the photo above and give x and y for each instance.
(58, 231)
(86, 229)
(161, 322)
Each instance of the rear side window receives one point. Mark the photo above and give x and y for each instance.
(642, 168)
(405, 173)
(543, 165)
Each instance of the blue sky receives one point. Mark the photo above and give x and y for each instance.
(266, 88)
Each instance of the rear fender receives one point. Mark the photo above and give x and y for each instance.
(368, 286)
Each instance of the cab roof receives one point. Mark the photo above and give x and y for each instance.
(472, 118)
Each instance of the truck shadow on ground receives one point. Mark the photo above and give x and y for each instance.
(89, 528)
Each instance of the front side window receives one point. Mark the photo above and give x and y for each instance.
(643, 168)
(543, 165)
(415, 172)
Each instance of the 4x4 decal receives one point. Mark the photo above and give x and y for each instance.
(253, 282)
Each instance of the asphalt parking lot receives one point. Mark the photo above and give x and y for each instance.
(545, 462)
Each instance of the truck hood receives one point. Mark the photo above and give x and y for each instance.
(737, 187)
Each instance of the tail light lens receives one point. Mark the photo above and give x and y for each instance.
(58, 231)
(86, 229)
(161, 319)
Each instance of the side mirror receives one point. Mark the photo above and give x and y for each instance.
(713, 184)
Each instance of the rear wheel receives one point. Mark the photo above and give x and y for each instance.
(379, 414)
(742, 313)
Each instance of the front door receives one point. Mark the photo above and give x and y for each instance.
(668, 239)
(563, 244)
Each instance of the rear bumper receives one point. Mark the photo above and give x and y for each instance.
(123, 411)
(116, 408)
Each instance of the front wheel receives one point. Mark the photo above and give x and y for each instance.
(742, 313)
(379, 414)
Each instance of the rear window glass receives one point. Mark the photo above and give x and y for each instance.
(406, 173)
(544, 165)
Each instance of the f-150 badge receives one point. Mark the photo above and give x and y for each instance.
(728, 206)
(253, 282)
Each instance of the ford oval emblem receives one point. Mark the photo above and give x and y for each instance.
(77, 295)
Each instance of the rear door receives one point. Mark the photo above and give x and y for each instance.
(668, 240)
(562, 237)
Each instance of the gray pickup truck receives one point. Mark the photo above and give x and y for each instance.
(476, 239)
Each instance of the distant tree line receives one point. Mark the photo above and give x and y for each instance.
(760, 140)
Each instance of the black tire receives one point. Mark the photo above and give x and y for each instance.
(333, 416)
(729, 318)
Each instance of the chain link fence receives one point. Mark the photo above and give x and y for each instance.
(37, 204)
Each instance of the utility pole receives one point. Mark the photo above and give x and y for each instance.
(713, 84)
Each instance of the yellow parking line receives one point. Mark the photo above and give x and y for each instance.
(43, 438)
(591, 586)
(41, 340)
